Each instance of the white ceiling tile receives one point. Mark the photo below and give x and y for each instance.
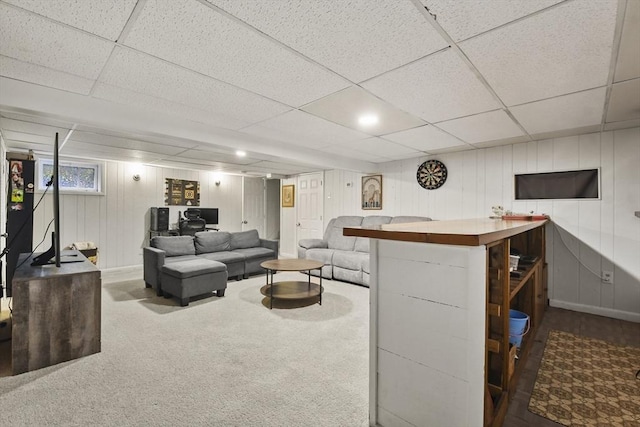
(300, 128)
(482, 127)
(214, 157)
(346, 106)
(564, 49)
(20, 125)
(564, 112)
(622, 125)
(229, 106)
(34, 39)
(436, 88)
(24, 146)
(464, 19)
(119, 138)
(507, 141)
(127, 143)
(29, 137)
(197, 37)
(624, 102)
(359, 39)
(150, 103)
(105, 18)
(171, 163)
(566, 132)
(381, 147)
(628, 66)
(279, 167)
(345, 150)
(37, 120)
(425, 138)
(82, 149)
(37, 74)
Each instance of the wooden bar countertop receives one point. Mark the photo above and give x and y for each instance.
(464, 232)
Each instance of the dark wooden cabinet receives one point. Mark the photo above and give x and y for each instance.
(56, 313)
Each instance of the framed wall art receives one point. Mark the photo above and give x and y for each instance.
(288, 196)
(372, 192)
(178, 192)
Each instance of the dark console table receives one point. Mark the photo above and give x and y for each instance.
(56, 312)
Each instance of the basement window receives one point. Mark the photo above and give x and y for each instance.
(75, 177)
(579, 184)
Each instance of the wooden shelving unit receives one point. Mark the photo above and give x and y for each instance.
(525, 292)
(450, 270)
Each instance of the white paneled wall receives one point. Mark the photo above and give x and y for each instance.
(586, 236)
(288, 219)
(118, 221)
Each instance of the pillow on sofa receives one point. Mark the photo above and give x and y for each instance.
(245, 239)
(174, 245)
(336, 240)
(212, 241)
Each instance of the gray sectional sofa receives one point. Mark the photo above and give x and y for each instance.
(241, 252)
(346, 258)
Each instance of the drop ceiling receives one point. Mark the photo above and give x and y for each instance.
(186, 83)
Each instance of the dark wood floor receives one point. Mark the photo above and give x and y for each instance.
(588, 325)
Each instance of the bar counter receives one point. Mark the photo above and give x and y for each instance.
(431, 285)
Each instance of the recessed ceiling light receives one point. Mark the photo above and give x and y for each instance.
(368, 120)
(240, 153)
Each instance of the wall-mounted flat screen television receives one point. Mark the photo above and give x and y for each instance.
(580, 184)
(210, 215)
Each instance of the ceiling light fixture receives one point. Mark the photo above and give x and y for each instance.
(368, 120)
(240, 153)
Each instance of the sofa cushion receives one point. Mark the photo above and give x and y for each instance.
(174, 245)
(349, 260)
(362, 243)
(336, 239)
(253, 253)
(212, 241)
(179, 258)
(322, 255)
(192, 268)
(245, 239)
(226, 257)
(346, 275)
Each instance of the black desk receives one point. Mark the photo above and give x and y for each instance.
(154, 233)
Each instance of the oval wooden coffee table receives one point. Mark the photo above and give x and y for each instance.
(292, 289)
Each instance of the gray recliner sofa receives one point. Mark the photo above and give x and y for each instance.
(241, 252)
(346, 258)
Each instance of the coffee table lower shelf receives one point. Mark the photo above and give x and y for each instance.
(292, 290)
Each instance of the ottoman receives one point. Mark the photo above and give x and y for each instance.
(185, 279)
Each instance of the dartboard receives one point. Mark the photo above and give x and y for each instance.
(431, 174)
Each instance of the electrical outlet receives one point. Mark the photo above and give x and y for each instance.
(607, 277)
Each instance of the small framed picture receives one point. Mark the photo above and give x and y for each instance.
(288, 196)
(372, 192)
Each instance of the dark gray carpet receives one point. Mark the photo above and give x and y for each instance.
(218, 362)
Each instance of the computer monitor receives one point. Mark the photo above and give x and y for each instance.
(210, 215)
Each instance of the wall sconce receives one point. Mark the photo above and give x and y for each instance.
(136, 177)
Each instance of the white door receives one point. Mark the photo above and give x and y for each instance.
(309, 212)
(253, 199)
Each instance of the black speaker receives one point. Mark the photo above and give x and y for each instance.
(159, 219)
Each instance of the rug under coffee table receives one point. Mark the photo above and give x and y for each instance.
(292, 289)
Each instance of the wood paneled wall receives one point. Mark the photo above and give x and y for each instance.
(586, 236)
(118, 221)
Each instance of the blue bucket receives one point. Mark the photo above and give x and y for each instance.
(519, 324)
